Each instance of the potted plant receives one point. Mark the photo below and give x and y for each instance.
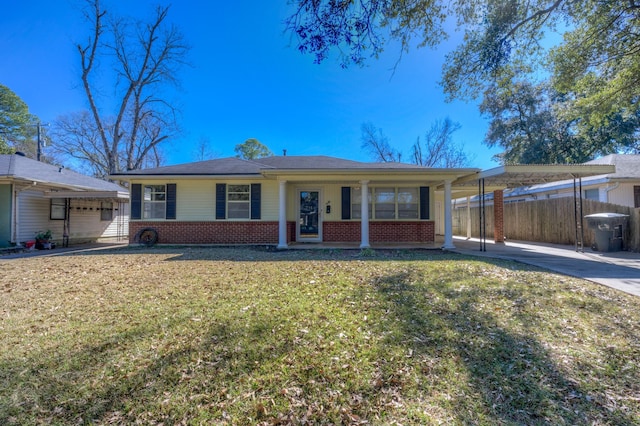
(43, 240)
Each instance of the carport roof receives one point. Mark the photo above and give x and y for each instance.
(513, 176)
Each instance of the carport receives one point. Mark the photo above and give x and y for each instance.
(118, 197)
(498, 179)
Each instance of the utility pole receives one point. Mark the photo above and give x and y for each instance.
(39, 153)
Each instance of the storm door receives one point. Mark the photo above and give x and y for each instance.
(309, 219)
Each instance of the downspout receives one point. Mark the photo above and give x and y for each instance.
(609, 189)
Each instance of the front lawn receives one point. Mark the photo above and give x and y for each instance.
(250, 336)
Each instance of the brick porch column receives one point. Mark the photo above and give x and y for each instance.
(498, 216)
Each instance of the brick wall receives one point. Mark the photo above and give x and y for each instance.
(341, 232)
(498, 216)
(176, 232)
(228, 232)
(380, 232)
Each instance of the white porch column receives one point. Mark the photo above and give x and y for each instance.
(448, 229)
(364, 214)
(468, 217)
(282, 217)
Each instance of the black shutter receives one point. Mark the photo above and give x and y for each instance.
(255, 201)
(346, 203)
(136, 201)
(171, 201)
(221, 201)
(424, 202)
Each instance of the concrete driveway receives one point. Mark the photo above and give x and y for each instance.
(619, 270)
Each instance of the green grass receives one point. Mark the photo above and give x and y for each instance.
(249, 336)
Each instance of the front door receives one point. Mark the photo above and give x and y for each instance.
(309, 227)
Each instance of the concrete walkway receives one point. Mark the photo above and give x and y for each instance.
(63, 250)
(619, 270)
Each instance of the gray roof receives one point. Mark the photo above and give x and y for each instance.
(627, 165)
(237, 166)
(18, 167)
(219, 166)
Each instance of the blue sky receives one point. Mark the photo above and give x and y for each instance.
(246, 80)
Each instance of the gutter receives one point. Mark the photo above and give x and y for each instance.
(609, 189)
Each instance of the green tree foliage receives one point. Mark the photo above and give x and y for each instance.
(531, 123)
(252, 149)
(594, 71)
(18, 127)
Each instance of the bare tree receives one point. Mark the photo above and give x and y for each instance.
(377, 144)
(203, 150)
(438, 149)
(146, 58)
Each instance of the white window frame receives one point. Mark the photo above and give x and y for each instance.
(242, 198)
(375, 194)
(154, 202)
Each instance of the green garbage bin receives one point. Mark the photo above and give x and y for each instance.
(609, 230)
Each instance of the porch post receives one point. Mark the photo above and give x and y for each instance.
(364, 214)
(282, 216)
(448, 229)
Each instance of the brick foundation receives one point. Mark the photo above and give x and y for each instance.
(380, 232)
(228, 232)
(210, 232)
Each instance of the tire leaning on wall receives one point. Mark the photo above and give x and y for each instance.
(147, 237)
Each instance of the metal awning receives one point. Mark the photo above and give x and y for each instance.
(513, 176)
(93, 195)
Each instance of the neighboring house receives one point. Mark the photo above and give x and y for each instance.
(290, 199)
(36, 196)
(621, 187)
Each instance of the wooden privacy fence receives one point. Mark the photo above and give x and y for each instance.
(550, 221)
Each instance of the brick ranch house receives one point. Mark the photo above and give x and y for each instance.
(283, 200)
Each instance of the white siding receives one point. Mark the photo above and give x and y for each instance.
(622, 194)
(196, 200)
(33, 216)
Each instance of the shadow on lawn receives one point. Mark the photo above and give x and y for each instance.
(512, 378)
(73, 389)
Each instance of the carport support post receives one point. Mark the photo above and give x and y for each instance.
(364, 214)
(498, 216)
(468, 218)
(282, 216)
(448, 228)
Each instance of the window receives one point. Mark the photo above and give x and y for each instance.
(388, 203)
(356, 203)
(238, 201)
(106, 211)
(234, 201)
(58, 209)
(154, 202)
(592, 194)
(385, 203)
(408, 203)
